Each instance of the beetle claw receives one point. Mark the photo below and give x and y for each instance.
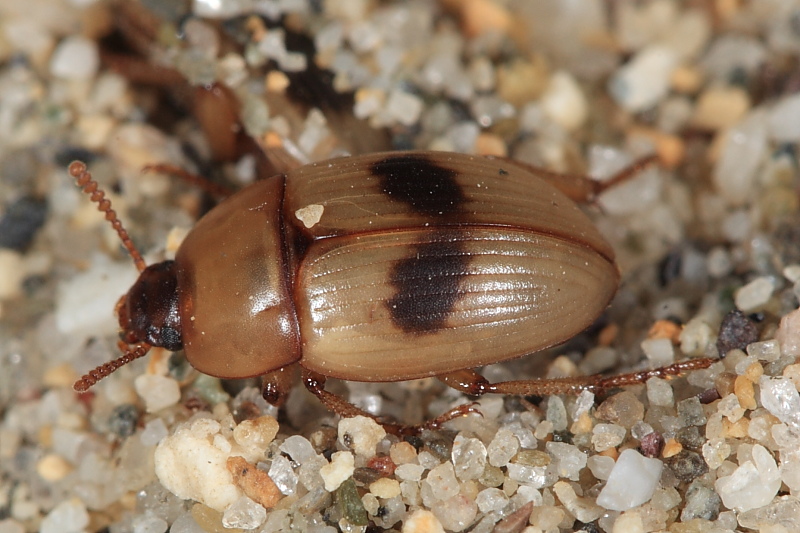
(452, 414)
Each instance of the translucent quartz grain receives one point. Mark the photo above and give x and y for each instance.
(754, 295)
(582, 508)
(556, 413)
(752, 484)
(148, 523)
(186, 524)
(623, 409)
(283, 475)
(643, 80)
(456, 513)
(659, 352)
(491, 499)
(784, 120)
(606, 436)
(244, 513)
(469, 457)
(409, 472)
(569, 459)
(309, 472)
(298, 448)
(600, 466)
(502, 448)
(780, 397)
(659, 392)
(69, 516)
(765, 350)
(442, 481)
(784, 511)
(735, 172)
(75, 58)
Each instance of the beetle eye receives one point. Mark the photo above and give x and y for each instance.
(171, 339)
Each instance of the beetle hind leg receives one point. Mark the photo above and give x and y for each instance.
(472, 383)
(315, 383)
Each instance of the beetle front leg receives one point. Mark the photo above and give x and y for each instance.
(472, 383)
(276, 385)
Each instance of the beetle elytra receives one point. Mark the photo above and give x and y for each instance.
(382, 267)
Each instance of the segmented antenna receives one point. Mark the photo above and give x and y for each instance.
(77, 169)
(106, 369)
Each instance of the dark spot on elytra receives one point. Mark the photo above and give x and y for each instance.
(428, 188)
(427, 286)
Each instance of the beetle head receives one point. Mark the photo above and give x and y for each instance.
(149, 312)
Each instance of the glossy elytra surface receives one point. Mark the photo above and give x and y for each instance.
(421, 264)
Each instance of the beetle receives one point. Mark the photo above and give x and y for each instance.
(411, 264)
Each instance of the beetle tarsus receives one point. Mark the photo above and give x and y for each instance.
(633, 378)
(452, 414)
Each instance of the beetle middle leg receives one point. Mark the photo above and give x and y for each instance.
(315, 383)
(472, 383)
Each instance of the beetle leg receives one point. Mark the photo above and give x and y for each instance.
(214, 189)
(583, 189)
(276, 385)
(466, 381)
(315, 383)
(470, 382)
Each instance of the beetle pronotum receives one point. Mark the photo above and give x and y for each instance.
(420, 264)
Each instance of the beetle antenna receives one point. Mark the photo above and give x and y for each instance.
(77, 169)
(106, 369)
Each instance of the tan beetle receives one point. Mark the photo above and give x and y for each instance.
(414, 264)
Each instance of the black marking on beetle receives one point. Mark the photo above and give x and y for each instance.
(427, 285)
(427, 187)
(502, 172)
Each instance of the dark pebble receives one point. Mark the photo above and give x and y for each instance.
(591, 527)
(735, 332)
(123, 420)
(20, 222)
(652, 444)
(690, 412)
(701, 502)
(687, 465)
(691, 438)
